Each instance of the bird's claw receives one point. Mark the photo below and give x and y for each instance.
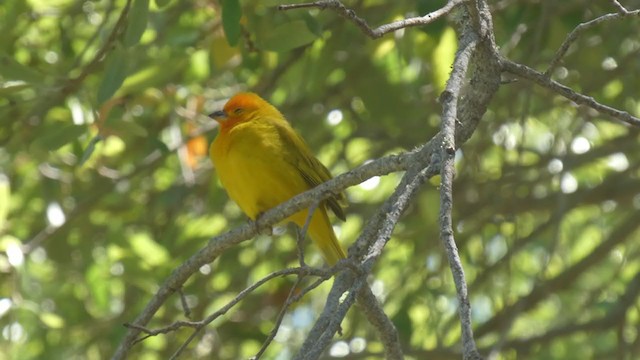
(263, 230)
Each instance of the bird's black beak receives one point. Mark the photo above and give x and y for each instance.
(218, 115)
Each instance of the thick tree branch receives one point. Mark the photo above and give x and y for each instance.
(449, 99)
(368, 247)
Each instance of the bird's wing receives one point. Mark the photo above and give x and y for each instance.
(310, 169)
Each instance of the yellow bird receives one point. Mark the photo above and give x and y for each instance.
(261, 162)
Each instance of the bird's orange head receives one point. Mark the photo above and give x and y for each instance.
(243, 107)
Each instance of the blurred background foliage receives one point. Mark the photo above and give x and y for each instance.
(105, 186)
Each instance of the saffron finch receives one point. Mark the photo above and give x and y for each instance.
(261, 162)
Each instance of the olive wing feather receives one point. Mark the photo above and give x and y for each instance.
(310, 169)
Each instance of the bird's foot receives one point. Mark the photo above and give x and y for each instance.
(260, 229)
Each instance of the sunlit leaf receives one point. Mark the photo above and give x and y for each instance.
(443, 58)
(98, 284)
(6, 90)
(148, 250)
(52, 320)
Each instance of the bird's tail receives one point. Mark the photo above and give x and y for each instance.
(322, 234)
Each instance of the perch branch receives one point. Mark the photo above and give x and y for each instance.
(219, 244)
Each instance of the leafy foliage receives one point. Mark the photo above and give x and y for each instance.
(105, 186)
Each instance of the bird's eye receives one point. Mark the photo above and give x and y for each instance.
(238, 111)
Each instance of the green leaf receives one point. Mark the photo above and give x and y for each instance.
(5, 199)
(137, 22)
(231, 14)
(97, 279)
(58, 137)
(288, 36)
(10, 69)
(6, 90)
(443, 56)
(114, 74)
(162, 3)
(122, 127)
(90, 149)
(312, 24)
(149, 251)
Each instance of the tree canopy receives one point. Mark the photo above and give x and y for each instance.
(106, 187)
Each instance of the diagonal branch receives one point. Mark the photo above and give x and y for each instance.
(382, 30)
(542, 290)
(223, 310)
(539, 78)
(581, 28)
(614, 316)
(376, 234)
(621, 9)
(449, 100)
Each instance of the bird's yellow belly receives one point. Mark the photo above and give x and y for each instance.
(257, 180)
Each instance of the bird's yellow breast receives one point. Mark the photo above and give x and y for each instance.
(246, 158)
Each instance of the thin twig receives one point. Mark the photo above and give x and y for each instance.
(621, 9)
(184, 303)
(278, 321)
(202, 323)
(382, 30)
(581, 28)
(291, 299)
(302, 233)
(315, 346)
(197, 325)
(526, 72)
